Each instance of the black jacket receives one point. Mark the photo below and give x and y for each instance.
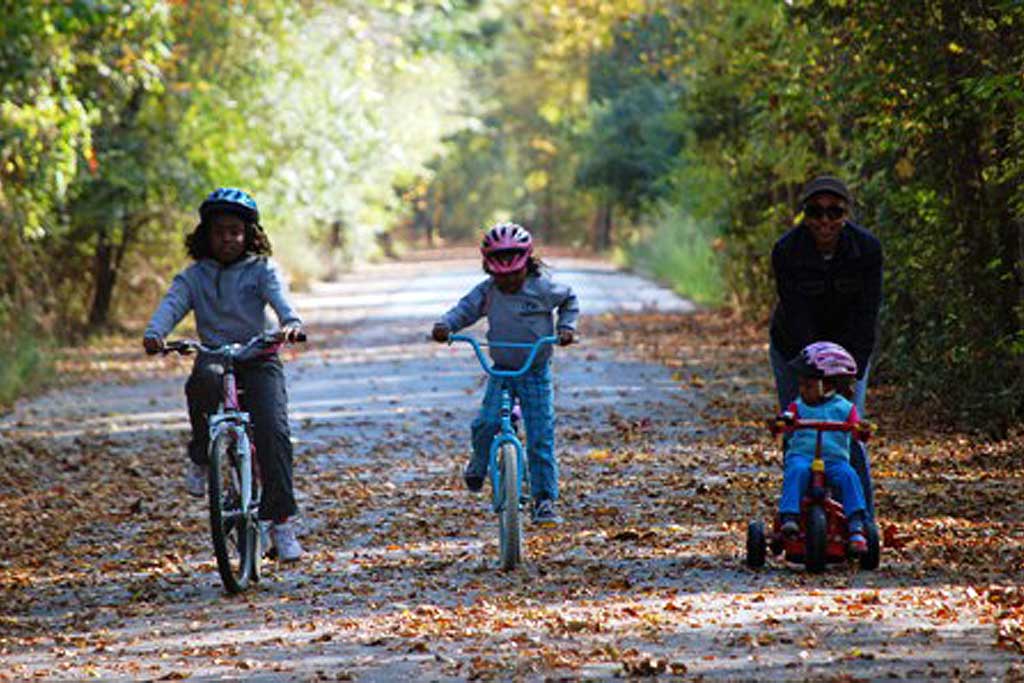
(835, 300)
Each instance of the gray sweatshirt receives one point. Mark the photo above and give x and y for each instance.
(230, 302)
(520, 317)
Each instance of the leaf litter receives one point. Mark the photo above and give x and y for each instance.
(664, 461)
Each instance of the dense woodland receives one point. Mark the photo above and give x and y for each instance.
(673, 135)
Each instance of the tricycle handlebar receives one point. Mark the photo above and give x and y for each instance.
(862, 430)
(819, 425)
(488, 368)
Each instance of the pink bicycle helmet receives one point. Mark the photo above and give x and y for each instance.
(506, 248)
(825, 359)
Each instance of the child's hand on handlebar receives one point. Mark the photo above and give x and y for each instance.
(441, 332)
(153, 345)
(566, 336)
(778, 424)
(863, 430)
(293, 332)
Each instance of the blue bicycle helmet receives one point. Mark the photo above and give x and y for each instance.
(231, 200)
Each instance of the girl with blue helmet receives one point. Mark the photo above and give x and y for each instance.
(229, 288)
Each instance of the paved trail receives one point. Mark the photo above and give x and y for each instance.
(400, 580)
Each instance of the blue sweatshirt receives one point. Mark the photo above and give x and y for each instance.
(230, 302)
(523, 316)
(834, 445)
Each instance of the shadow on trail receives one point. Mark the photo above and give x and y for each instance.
(663, 462)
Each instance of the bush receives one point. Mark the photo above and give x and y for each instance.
(22, 364)
(680, 251)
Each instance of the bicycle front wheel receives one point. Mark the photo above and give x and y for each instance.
(509, 520)
(233, 533)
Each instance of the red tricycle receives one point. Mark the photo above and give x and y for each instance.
(823, 526)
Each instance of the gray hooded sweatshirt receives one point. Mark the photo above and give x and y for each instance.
(523, 316)
(230, 302)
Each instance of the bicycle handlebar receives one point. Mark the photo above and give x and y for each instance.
(185, 347)
(488, 368)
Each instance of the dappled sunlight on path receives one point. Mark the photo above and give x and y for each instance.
(663, 460)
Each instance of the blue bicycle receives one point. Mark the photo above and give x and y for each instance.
(507, 463)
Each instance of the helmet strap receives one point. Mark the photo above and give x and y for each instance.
(825, 393)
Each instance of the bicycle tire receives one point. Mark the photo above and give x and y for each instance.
(510, 523)
(258, 546)
(230, 529)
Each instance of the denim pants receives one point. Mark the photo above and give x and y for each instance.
(797, 477)
(536, 398)
(265, 399)
(787, 387)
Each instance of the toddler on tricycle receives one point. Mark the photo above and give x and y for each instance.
(812, 526)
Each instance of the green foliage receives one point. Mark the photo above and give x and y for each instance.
(23, 361)
(679, 132)
(676, 249)
(632, 148)
(117, 118)
(913, 104)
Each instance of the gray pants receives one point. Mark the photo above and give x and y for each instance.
(263, 395)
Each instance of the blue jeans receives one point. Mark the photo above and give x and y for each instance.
(787, 387)
(536, 397)
(839, 473)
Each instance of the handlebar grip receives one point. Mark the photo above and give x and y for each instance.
(182, 348)
(300, 337)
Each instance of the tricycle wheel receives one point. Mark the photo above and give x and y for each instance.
(756, 545)
(870, 560)
(817, 537)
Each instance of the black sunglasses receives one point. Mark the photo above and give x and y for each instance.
(831, 212)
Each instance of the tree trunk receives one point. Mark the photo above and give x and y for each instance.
(436, 216)
(106, 266)
(104, 277)
(336, 240)
(602, 226)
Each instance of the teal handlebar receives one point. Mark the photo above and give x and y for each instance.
(488, 368)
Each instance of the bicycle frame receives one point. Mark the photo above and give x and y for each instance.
(233, 489)
(506, 434)
(231, 418)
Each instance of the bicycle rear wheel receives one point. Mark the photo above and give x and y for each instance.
(231, 529)
(509, 521)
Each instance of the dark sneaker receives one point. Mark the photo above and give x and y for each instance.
(544, 513)
(858, 543)
(790, 528)
(474, 482)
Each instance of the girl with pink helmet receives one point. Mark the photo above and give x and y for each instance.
(822, 368)
(519, 301)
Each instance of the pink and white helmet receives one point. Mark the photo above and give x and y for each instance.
(506, 248)
(826, 359)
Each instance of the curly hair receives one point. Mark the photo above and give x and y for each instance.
(534, 266)
(197, 243)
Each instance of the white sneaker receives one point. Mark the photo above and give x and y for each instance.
(195, 479)
(283, 536)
